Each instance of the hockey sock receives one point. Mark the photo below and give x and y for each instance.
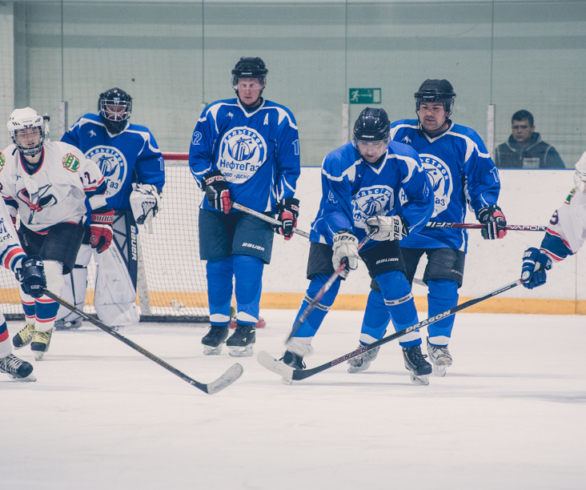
(219, 275)
(399, 300)
(248, 273)
(376, 319)
(28, 306)
(443, 295)
(5, 345)
(311, 325)
(45, 308)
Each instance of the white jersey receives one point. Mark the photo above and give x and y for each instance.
(566, 232)
(57, 191)
(10, 250)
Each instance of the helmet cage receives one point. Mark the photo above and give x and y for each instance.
(115, 116)
(29, 120)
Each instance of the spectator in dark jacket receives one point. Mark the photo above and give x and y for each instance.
(525, 148)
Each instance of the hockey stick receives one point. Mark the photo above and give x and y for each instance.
(266, 218)
(324, 289)
(287, 372)
(231, 375)
(475, 226)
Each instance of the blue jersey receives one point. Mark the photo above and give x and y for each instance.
(353, 190)
(460, 171)
(124, 158)
(257, 151)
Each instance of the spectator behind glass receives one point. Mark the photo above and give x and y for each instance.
(525, 148)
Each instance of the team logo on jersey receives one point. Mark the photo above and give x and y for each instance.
(371, 201)
(406, 140)
(441, 181)
(113, 166)
(242, 152)
(92, 133)
(71, 162)
(2, 162)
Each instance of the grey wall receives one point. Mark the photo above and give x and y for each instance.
(171, 57)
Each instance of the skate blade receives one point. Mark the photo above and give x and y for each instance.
(440, 371)
(28, 379)
(212, 351)
(38, 355)
(422, 380)
(358, 369)
(246, 351)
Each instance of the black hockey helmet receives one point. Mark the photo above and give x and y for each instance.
(372, 125)
(250, 68)
(434, 90)
(115, 121)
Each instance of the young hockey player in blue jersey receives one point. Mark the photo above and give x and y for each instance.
(244, 150)
(369, 184)
(133, 167)
(461, 172)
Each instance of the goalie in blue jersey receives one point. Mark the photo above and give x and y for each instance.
(370, 184)
(134, 170)
(244, 150)
(461, 173)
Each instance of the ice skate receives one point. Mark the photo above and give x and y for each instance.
(440, 358)
(241, 342)
(214, 340)
(17, 368)
(24, 337)
(68, 324)
(293, 360)
(40, 343)
(362, 361)
(419, 369)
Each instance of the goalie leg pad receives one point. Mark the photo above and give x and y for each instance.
(399, 301)
(248, 274)
(219, 276)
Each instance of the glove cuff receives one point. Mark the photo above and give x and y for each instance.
(106, 218)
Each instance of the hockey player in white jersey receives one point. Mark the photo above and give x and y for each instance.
(29, 271)
(51, 186)
(565, 234)
(244, 150)
(133, 167)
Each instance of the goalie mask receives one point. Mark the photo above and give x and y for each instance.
(114, 108)
(436, 91)
(27, 130)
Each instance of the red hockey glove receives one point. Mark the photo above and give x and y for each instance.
(216, 189)
(287, 212)
(101, 229)
(494, 221)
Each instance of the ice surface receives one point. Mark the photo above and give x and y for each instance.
(510, 414)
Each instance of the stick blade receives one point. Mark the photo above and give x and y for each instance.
(269, 362)
(231, 375)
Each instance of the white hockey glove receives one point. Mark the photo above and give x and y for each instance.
(145, 201)
(389, 228)
(345, 250)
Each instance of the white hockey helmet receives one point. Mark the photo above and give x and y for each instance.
(22, 119)
(580, 175)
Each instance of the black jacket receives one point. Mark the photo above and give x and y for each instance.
(538, 154)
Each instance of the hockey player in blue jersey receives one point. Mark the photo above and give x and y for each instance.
(133, 167)
(244, 150)
(461, 172)
(369, 184)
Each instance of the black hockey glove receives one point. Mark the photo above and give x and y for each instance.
(31, 275)
(495, 221)
(287, 212)
(216, 189)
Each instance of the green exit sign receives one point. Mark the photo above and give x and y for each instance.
(365, 96)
